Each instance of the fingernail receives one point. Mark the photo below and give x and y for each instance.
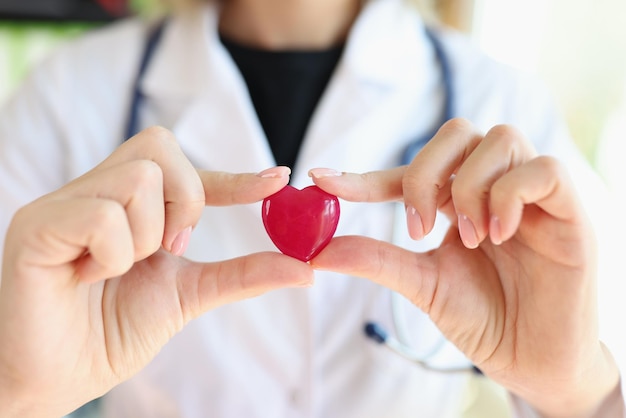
(495, 231)
(324, 172)
(467, 232)
(180, 243)
(414, 223)
(275, 172)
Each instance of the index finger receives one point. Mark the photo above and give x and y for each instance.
(428, 176)
(374, 186)
(225, 189)
(182, 189)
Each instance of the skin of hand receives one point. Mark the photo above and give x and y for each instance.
(92, 281)
(513, 283)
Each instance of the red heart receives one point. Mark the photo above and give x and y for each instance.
(300, 222)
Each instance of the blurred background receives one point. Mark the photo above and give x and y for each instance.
(578, 47)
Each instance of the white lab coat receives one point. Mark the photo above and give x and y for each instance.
(290, 353)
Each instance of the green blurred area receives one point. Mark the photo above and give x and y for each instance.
(24, 43)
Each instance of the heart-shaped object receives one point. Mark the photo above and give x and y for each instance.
(300, 222)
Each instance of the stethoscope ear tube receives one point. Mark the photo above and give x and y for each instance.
(154, 37)
(377, 333)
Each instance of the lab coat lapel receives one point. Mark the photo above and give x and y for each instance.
(366, 117)
(199, 94)
(361, 123)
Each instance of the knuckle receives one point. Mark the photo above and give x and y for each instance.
(508, 137)
(144, 174)
(158, 140)
(413, 178)
(456, 125)
(411, 182)
(550, 166)
(159, 133)
(504, 132)
(24, 214)
(108, 214)
(505, 141)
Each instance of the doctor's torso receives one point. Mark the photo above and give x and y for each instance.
(290, 353)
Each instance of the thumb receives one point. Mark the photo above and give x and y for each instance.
(404, 272)
(205, 286)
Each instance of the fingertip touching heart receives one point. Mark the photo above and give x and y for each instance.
(300, 222)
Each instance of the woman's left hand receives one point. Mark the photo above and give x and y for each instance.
(93, 285)
(513, 284)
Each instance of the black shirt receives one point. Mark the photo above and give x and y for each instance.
(285, 87)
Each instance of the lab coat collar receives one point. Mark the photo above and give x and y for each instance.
(199, 93)
(192, 76)
(388, 64)
(178, 67)
(192, 81)
(376, 51)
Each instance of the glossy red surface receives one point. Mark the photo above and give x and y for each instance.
(300, 222)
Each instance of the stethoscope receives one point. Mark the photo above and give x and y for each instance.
(372, 330)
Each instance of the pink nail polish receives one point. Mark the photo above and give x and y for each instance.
(180, 243)
(467, 232)
(414, 223)
(324, 172)
(275, 172)
(495, 230)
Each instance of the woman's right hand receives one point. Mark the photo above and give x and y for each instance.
(92, 282)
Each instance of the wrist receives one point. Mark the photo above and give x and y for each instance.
(13, 405)
(596, 390)
(17, 398)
